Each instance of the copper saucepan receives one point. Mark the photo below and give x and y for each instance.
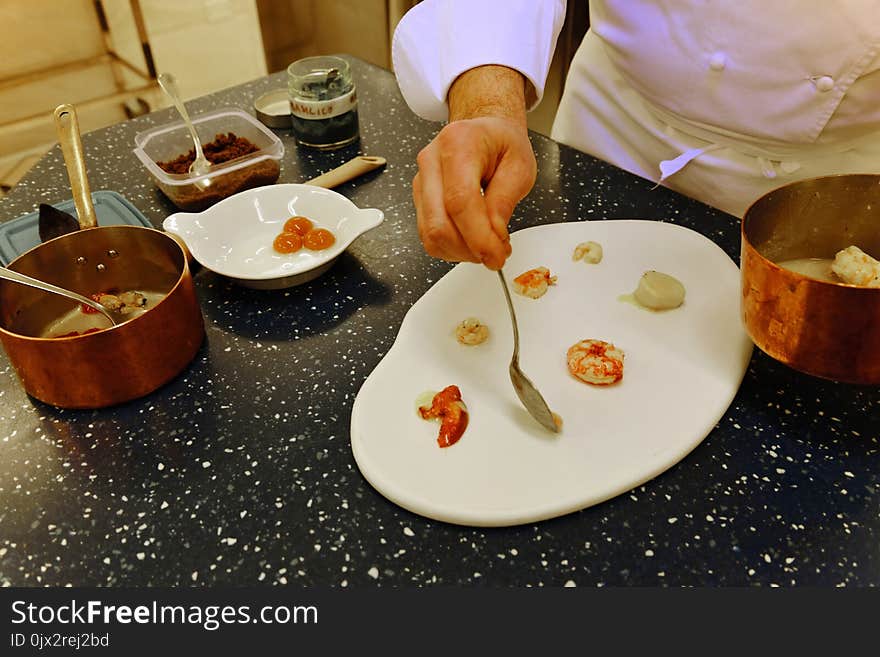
(107, 367)
(826, 329)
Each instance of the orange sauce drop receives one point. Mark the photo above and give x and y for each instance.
(300, 225)
(287, 243)
(319, 238)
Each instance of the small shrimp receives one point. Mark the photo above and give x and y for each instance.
(596, 362)
(111, 301)
(125, 303)
(132, 301)
(590, 252)
(854, 266)
(447, 407)
(471, 332)
(534, 282)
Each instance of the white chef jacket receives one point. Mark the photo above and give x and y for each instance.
(722, 101)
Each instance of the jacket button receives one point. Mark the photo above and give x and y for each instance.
(717, 61)
(825, 83)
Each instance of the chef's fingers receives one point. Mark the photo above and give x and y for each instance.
(510, 183)
(439, 235)
(466, 156)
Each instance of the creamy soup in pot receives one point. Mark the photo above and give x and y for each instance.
(80, 321)
(818, 268)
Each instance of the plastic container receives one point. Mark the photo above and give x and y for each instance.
(193, 193)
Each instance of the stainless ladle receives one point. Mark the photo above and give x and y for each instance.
(15, 277)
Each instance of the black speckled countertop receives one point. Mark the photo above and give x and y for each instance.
(240, 472)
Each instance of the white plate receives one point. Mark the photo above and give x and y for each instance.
(682, 370)
(234, 237)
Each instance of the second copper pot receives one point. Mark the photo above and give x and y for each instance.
(826, 329)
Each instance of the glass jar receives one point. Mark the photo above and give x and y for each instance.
(323, 102)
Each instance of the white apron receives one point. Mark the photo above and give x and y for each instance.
(669, 90)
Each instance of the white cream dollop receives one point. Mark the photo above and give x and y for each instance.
(659, 291)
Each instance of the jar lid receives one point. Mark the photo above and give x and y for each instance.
(319, 78)
(273, 108)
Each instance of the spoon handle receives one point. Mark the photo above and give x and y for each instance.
(67, 128)
(16, 277)
(169, 85)
(515, 357)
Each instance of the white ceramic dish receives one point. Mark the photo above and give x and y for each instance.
(682, 370)
(234, 237)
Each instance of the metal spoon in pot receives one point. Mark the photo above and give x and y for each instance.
(15, 277)
(200, 165)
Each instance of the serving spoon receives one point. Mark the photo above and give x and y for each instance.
(528, 394)
(15, 277)
(200, 164)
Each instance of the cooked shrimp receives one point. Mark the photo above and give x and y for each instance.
(590, 252)
(534, 282)
(125, 303)
(471, 332)
(596, 362)
(447, 407)
(854, 266)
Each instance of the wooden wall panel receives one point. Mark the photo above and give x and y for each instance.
(46, 33)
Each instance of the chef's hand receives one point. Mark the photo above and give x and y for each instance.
(475, 171)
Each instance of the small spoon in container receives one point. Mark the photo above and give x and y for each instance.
(200, 164)
(15, 277)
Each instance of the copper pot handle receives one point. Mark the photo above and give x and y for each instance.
(67, 128)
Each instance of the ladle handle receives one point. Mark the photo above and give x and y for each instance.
(67, 127)
(355, 167)
(23, 279)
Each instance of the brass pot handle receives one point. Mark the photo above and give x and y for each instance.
(67, 127)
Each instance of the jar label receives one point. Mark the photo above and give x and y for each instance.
(323, 109)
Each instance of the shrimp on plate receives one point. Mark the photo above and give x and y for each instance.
(447, 407)
(596, 362)
(471, 331)
(590, 252)
(534, 282)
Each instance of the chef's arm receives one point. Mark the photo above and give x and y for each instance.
(438, 40)
(493, 91)
(440, 52)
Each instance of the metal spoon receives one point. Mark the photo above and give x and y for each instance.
(15, 277)
(200, 165)
(526, 391)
